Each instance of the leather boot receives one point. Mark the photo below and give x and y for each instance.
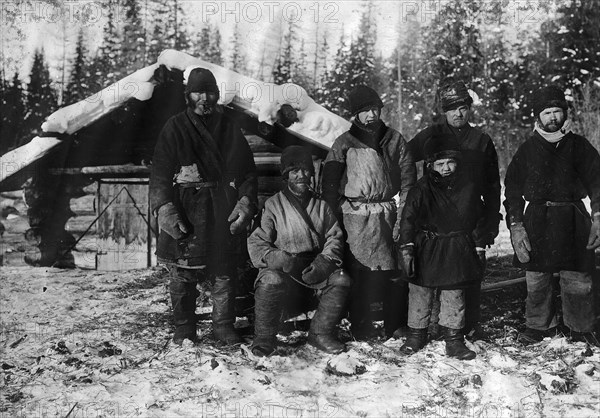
(361, 319)
(416, 340)
(223, 311)
(329, 312)
(455, 345)
(183, 302)
(395, 306)
(268, 305)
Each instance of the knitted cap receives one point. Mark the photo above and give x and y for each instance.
(549, 96)
(294, 157)
(440, 146)
(454, 95)
(201, 80)
(362, 98)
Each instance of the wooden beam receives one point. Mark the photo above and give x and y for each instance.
(499, 285)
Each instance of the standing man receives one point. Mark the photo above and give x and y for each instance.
(553, 170)
(298, 247)
(365, 168)
(203, 188)
(480, 164)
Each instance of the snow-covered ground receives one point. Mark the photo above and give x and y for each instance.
(98, 344)
(93, 343)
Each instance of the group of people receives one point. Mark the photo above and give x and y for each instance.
(373, 232)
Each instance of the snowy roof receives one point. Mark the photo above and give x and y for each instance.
(262, 99)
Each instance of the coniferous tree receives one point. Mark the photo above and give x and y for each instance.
(332, 95)
(237, 59)
(104, 67)
(282, 72)
(572, 44)
(41, 97)
(12, 109)
(78, 86)
(208, 45)
(132, 54)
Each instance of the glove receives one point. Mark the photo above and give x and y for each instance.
(407, 259)
(481, 256)
(286, 262)
(594, 239)
(319, 270)
(171, 222)
(520, 241)
(240, 217)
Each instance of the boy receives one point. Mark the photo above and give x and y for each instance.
(443, 213)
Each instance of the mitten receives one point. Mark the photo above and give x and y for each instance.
(481, 256)
(594, 239)
(242, 214)
(171, 222)
(520, 241)
(319, 270)
(406, 256)
(279, 260)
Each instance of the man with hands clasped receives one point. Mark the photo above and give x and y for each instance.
(298, 247)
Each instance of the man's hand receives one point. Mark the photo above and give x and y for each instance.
(520, 241)
(406, 256)
(171, 222)
(286, 262)
(319, 270)
(594, 239)
(240, 217)
(481, 256)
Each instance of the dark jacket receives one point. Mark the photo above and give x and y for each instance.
(479, 162)
(194, 151)
(439, 218)
(562, 173)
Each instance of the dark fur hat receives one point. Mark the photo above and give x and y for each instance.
(294, 157)
(549, 96)
(454, 95)
(201, 80)
(441, 146)
(362, 98)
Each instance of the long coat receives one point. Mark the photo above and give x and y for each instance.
(562, 174)
(363, 172)
(439, 219)
(212, 154)
(283, 228)
(479, 161)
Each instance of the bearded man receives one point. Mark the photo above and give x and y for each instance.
(553, 171)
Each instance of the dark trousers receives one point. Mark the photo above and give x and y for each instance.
(378, 286)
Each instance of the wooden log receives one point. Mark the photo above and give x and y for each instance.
(499, 285)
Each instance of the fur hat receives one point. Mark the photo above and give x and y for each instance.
(294, 157)
(201, 80)
(441, 146)
(454, 95)
(362, 98)
(549, 96)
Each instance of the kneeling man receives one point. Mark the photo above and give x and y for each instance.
(298, 245)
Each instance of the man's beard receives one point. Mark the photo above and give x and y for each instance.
(552, 126)
(299, 188)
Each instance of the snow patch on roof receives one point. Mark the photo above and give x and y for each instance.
(263, 99)
(71, 118)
